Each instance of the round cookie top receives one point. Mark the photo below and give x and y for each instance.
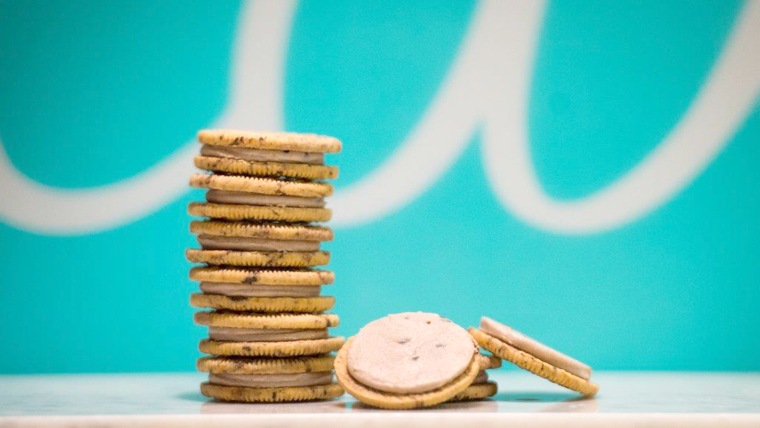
(270, 140)
(286, 232)
(410, 353)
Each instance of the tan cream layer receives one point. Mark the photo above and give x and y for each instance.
(271, 380)
(263, 335)
(263, 155)
(248, 290)
(230, 197)
(211, 242)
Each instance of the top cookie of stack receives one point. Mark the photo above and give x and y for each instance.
(265, 176)
(264, 190)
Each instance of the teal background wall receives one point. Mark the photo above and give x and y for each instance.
(92, 93)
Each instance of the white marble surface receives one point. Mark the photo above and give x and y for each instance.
(625, 398)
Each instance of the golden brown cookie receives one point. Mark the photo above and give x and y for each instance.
(270, 140)
(293, 348)
(261, 185)
(254, 212)
(263, 304)
(267, 169)
(266, 321)
(271, 395)
(259, 258)
(284, 232)
(321, 363)
(262, 276)
(533, 364)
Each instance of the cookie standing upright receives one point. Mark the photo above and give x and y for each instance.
(262, 274)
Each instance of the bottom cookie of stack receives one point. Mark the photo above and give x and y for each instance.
(268, 358)
(269, 380)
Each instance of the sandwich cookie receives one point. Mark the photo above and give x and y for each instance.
(269, 380)
(529, 354)
(252, 334)
(235, 197)
(266, 291)
(481, 388)
(259, 244)
(267, 153)
(408, 361)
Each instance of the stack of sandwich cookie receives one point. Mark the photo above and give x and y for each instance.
(529, 354)
(268, 334)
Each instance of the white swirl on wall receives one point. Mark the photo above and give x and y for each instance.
(257, 70)
(487, 86)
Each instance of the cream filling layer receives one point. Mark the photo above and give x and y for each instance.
(246, 290)
(263, 155)
(230, 197)
(211, 242)
(271, 380)
(263, 335)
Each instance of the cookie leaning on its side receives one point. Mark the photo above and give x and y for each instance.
(531, 355)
